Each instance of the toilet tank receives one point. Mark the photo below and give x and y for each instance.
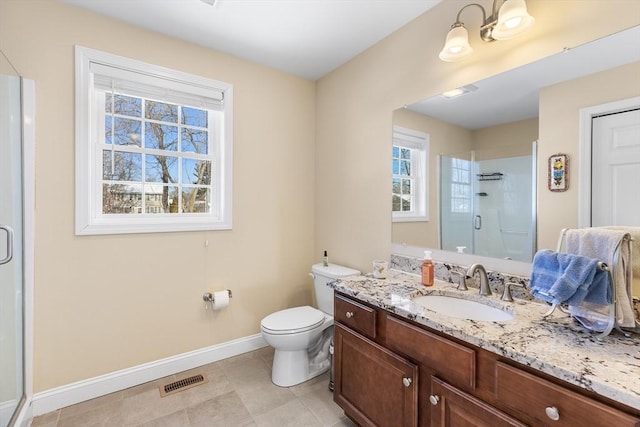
(321, 276)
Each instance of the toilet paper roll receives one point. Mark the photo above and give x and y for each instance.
(220, 300)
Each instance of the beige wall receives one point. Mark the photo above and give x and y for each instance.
(559, 133)
(5, 66)
(104, 303)
(355, 102)
(508, 140)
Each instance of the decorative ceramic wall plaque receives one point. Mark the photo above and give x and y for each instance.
(558, 172)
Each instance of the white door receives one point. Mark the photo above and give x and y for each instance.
(615, 169)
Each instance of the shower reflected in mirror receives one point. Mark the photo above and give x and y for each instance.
(487, 204)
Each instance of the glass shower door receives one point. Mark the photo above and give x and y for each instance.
(503, 208)
(11, 253)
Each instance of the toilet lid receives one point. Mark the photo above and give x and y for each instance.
(297, 319)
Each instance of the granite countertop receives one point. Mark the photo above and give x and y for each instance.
(557, 345)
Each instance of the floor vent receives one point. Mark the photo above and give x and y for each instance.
(183, 384)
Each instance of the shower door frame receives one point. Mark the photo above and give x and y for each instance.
(23, 412)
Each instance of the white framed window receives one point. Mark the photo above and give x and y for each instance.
(154, 148)
(460, 185)
(410, 175)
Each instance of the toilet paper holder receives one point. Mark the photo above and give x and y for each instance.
(208, 296)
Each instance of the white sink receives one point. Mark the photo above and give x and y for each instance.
(462, 308)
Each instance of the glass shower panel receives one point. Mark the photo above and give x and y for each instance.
(456, 201)
(503, 206)
(11, 253)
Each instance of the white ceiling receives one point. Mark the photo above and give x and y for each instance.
(308, 38)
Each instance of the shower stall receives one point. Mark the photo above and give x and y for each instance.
(16, 144)
(487, 204)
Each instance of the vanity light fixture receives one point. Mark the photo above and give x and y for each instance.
(509, 21)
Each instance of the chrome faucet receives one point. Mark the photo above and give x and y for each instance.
(485, 289)
(506, 294)
(462, 285)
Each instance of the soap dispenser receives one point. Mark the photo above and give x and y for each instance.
(427, 269)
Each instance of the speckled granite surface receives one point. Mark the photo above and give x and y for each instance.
(557, 345)
(443, 271)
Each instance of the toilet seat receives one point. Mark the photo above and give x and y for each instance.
(292, 320)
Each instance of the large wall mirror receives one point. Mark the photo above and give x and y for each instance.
(483, 187)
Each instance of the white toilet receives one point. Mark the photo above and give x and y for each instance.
(301, 335)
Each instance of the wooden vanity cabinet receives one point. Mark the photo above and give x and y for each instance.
(391, 372)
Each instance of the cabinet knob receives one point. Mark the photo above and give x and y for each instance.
(349, 314)
(434, 399)
(552, 413)
(406, 382)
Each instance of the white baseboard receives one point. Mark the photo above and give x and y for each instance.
(59, 397)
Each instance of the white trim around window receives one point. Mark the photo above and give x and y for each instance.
(418, 143)
(202, 203)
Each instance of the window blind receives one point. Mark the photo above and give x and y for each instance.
(158, 87)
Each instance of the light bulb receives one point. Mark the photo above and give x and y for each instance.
(513, 19)
(513, 22)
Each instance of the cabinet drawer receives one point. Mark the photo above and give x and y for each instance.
(543, 400)
(356, 316)
(454, 363)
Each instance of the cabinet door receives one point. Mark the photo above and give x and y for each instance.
(374, 386)
(455, 408)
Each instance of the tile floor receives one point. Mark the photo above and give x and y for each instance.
(239, 393)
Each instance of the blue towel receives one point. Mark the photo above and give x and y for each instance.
(559, 277)
(599, 291)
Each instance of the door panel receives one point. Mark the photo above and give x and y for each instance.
(615, 169)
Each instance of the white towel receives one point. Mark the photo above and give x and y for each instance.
(635, 247)
(601, 243)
